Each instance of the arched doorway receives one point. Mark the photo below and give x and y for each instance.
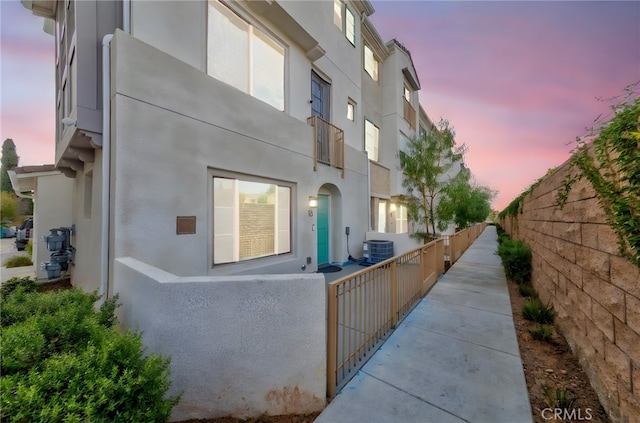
(328, 224)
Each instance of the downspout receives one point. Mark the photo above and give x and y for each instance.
(126, 16)
(106, 165)
(369, 227)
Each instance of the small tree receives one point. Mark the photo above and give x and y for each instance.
(425, 163)
(9, 161)
(464, 203)
(8, 207)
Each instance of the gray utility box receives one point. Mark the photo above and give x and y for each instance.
(375, 251)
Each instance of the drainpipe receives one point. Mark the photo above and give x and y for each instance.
(106, 165)
(126, 16)
(369, 228)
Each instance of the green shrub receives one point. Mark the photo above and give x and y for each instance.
(18, 261)
(29, 248)
(540, 333)
(62, 361)
(502, 234)
(516, 260)
(526, 290)
(535, 311)
(561, 398)
(23, 284)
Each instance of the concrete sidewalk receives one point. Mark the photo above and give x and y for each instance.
(7, 251)
(455, 357)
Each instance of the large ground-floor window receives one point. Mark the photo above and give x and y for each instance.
(251, 219)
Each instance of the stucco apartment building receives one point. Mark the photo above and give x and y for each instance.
(219, 153)
(218, 112)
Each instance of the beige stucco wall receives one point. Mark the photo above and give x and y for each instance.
(594, 291)
(240, 346)
(171, 125)
(179, 29)
(87, 217)
(394, 124)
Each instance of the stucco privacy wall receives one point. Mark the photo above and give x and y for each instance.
(170, 130)
(595, 291)
(240, 346)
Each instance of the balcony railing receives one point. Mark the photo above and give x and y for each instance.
(409, 114)
(329, 143)
(365, 307)
(379, 179)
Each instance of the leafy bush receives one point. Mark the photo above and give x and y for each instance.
(23, 284)
(526, 290)
(516, 260)
(535, 311)
(8, 207)
(29, 248)
(540, 333)
(18, 261)
(62, 361)
(560, 398)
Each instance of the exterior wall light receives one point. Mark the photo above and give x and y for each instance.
(68, 121)
(313, 202)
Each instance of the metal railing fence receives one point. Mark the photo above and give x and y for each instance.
(364, 307)
(328, 143)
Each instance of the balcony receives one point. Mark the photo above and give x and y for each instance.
(409, 114)
(379, 180)
(329, 143)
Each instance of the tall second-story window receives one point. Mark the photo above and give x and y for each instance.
(350, 26)
(337, 13)
(409, 111)
(407, 94)
(371, 135)
(244, 56)
(422, 132)
(370, 63)
(65, 55)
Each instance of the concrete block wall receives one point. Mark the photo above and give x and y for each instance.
(594, 290)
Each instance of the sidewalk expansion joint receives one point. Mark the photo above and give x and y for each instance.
(416, 397)
(471, 307)
(465, 341)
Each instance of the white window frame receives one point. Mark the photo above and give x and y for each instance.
(407, 94)
(350, 26)
(370, 63)
(283, 240)
(381, 224)
(402, 221)
(371, 139)
(337, 13)
(351, 110)
(253, 32)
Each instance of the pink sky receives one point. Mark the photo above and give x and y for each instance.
(27, 97)
(518, 80)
